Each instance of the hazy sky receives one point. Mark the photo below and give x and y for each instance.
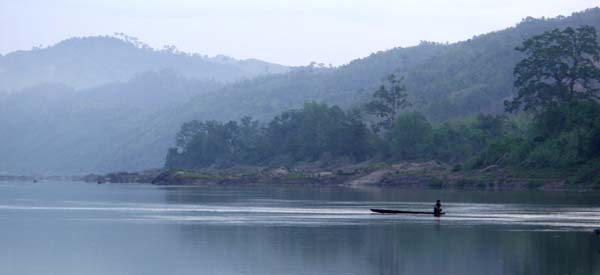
(286, 32)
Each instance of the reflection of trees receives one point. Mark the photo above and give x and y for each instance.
(420, 249)
(388, 249)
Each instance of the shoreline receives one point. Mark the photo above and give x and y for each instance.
(403, 175)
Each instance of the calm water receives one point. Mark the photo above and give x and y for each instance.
(80, 228)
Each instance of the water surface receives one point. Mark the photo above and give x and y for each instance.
(81, 228)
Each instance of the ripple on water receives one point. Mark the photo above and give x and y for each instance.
(310, 213)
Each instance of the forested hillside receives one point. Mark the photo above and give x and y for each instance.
(56, 129)
(557, 130)
(90, 61)
(443, 80)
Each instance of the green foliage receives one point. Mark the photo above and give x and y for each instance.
(410, 136)
(559, 67)
(413, 137)
(562, 136)
(316, 132)
(568, 132)
(443, 81)
(561, 129)
(456, 141)
(308, 133)
(134, 121)
(202, 144)
(387, 102)
(558, 84)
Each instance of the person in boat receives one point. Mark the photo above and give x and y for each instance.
(437, 210)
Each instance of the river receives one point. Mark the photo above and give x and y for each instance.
(82, 228)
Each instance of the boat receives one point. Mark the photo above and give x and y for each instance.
(391, 211)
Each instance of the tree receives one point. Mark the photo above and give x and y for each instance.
(559, 67)
(410, 136)
(314, 133)
(387, 102)
(318, 129)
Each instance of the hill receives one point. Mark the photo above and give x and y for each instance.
(90, 61)
(444, 81)
(55, 129)
(121, 126)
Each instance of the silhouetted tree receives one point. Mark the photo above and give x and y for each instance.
(387, 101)
(559, 67)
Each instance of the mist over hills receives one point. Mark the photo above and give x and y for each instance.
(444, 81)
(53, 128)
(119, 116)
(89, 61)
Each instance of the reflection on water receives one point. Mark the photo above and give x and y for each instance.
(76, 228)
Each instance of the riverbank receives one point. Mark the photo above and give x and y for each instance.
(412, 175)
(37, 178)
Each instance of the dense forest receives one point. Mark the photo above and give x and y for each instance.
(318, 132)
(443, 81)
(132, 106)
(552, 123)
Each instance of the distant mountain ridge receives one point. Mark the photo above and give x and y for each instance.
(129, 125)
(90, 61)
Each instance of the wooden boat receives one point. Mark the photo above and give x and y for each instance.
(391, 211)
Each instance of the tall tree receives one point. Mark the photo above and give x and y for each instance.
(387, 101)
(559, 67)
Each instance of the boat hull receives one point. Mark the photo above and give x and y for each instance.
(391, 211)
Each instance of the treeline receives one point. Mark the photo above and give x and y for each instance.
(315, 132)
(319, 132)
(553, 122)
(562, 138)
